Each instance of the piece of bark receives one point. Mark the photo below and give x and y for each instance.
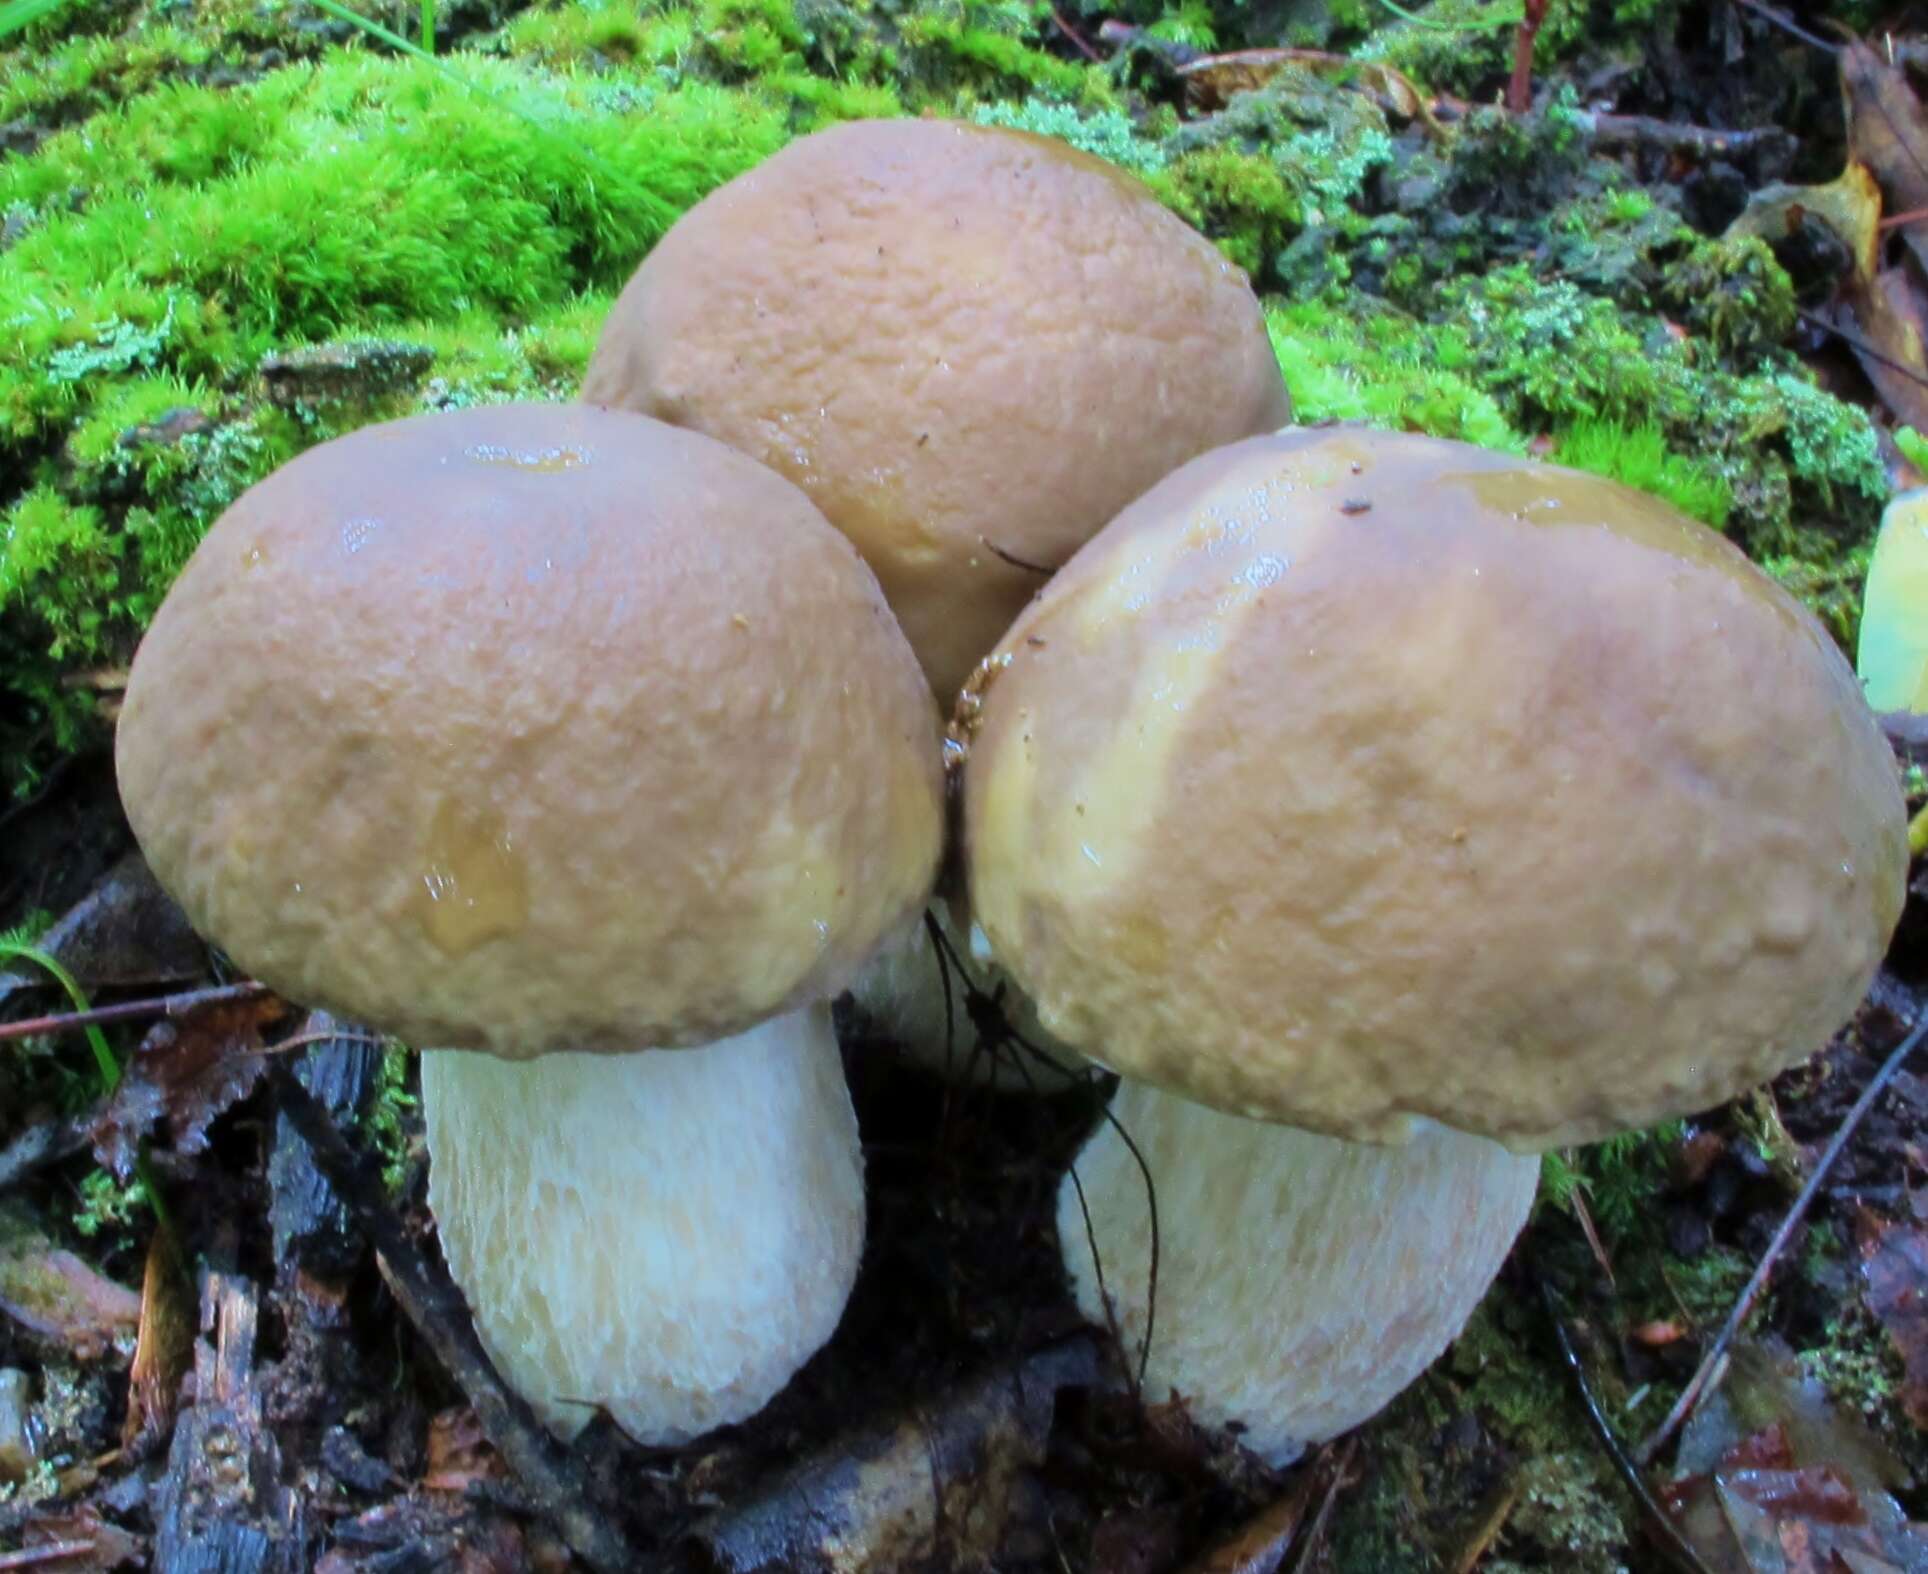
(312, 1228)
(223, 1507)
(931, 1489)
(432, 1304)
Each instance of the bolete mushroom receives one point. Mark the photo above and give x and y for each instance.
(1892, 656)
(970, 346)
(1354, 781)
(558, 733)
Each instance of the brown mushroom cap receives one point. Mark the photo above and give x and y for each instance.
(1351, 776)
(532, 728)
(961, 342)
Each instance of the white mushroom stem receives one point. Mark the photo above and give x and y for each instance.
(666, 1235)
(1302, 1281)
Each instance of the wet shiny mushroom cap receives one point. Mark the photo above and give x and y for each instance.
(531, 728)
(1352, 776)
(971, 347)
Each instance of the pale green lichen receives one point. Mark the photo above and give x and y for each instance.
(1106, 133)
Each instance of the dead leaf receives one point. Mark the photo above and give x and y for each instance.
(941, 1483)
(1212, 81)
(165, 1347)
(458, 1453)
(1894, 1269)
(55, 1296)
(1802, 1494)
(125, 932)
(1887, 125)
(100, 1547)
(186, 1072)
(1259, 1545)
(1890, 319)
(1850, 206)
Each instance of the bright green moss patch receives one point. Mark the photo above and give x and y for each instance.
(1379, 367)
(166, 247)
(1791, 472)
(1640, 457)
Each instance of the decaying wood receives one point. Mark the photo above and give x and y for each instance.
(39, 1145)
(223, 1507)
(312, 1228)
(938, 1485)
(431, 1303)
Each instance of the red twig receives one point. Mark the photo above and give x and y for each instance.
(133, 1011)
(1716, 1356)
(1519, 90)
(1073, 34)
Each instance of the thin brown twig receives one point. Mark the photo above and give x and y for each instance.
(1717, 1352)
(1860, 346)
(1679, 1550)
(1315, 1532)
(47, 1552)
(1077, 40)
(177, 1005)
(1014, 560)
(1787, 24)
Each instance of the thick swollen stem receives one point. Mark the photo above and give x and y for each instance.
(1302, 1281)
(666, 1235)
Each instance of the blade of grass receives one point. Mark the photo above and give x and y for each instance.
(110, 1070)
(17, 15)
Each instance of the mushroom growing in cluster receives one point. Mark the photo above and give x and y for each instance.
(1404, 793)
(970, 346)
(558, 733)
(1892, 656)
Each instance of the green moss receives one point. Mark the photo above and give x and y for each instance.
(391, 1117)
(1640, 457)
(584, 34)
(1242, 199)
(341, 200)
(1380, 367)
(1733, 294)
(974, 50)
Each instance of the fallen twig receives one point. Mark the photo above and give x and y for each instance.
(1859, 345)
(1668, 136)
(432, 1304)
(1078, 40)
(48, 1552)
(177, 1005)
(1787, 24)
(1341, 1477)
(1717, 1352)
(1676, 1546)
